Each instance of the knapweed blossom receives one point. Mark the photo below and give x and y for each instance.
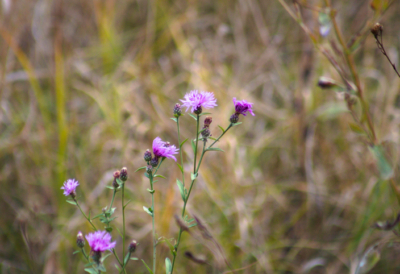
(164, 149)
(198, 100)
(100, 241)
(69, 187)
(241, 107)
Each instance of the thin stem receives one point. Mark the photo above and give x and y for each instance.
(123, 222)
(84, 215)
(125, 263)
(112, 200)
(116, 256)
(180, 152)
(196, 170)
(197, 141)
(153, 225)
(84, 254)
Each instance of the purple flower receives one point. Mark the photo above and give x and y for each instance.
(202, 99)
(100, 241)
(241, 107)
(70, 186)
(164, 149)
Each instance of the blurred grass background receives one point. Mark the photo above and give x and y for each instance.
(85, 86)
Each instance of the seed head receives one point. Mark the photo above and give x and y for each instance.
(377, 30)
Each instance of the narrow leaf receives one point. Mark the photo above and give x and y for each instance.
(110, 187)
(236, 124)
(72, 202)
(223, 130)
(205, 113)
(148, 211)
(193, 176)
(180, 167)
(91, 270)
(385, 170)
(174, 119)
(158, 175)
(127, 203)
(214, 149)
(192, 225)
(134, 259)
(193, 146)
(168, 266)
(148, 268)
(181, 189)
(194, 117)
(143, 167)
(76, 252)
(183, 142)
(127, 257)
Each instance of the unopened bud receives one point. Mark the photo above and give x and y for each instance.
(80, 241)
(124, 174)
(198, 110)
(104, 209)
(116, 176)
(132, 246)
(207, 121)
(149, 169)
(154, 162)
(205, 132)
(234, 118)
(326, 83)
(177, 110)
(147, 156)
(377, 30)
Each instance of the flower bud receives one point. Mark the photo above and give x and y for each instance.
(377, 30)
(116, 176)
(154, 162)
(234, 118)
(177, 110)
(207, 121)
(124, 174)
(147, 156)
(198, 110)
(132, 246)
(80, 241)
(205, 132)
(149, 169)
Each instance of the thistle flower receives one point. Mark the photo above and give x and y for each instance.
(164, 149)
(100, 241)
(199, 100)
(241, 107)
(69, 187)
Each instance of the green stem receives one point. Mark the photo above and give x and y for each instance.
(84, 254)
(197, 141)
(84, 215)
(180, 152)
(153, 224)
(116, 256)
(196, 170)
(112, 200)
(123, 222)
(125, 263)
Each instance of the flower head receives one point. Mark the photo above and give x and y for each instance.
(70, 186)
(198, 100)
(241, 107)
(164, 149)
(100, 241)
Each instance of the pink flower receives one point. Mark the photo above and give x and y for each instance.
(164, 149)
(196, 100)
(241, 107)
(70, 186)
(100, 241)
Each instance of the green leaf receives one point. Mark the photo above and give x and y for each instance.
(385, 170)
(174, 119)
(117, 267)
(223, 130)
(168, 266)
(119, 181)
(148, 268)
(97, 216)
(158, 175)
(105, 257)
(181, 189)
(192, 225)
(72, 202)
(127, 203)
(214, 149)
(76, 252)
(146, 175)
(134, 259)
(89, 264)
(151, 191)
(212, 138)
(183, 142)
(180, 167)
(127, 257)
(119, 232)
(236, 124)
(112, 210)
(102, 268)
(356, 128)
(91, 271)
(143, 167)
(110, 187)
(193, 146)
(194, 117)
(148, 211)
(205, 113)
(193, 176)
